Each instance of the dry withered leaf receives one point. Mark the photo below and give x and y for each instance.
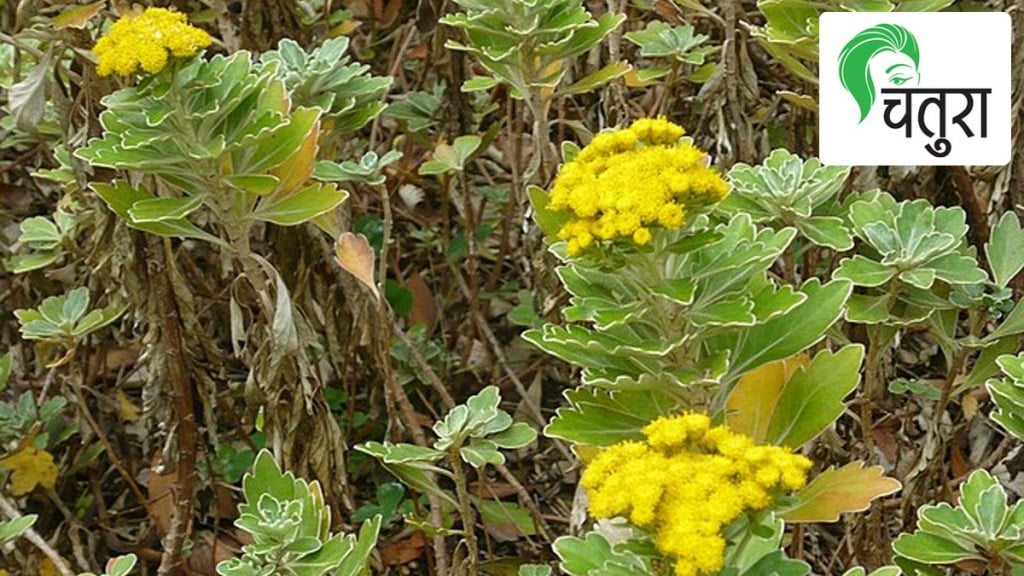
(356, 257)
(161, 500)
(424, 308)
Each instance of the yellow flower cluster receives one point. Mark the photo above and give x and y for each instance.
(626, 182)
(687, 482)
(144, 41)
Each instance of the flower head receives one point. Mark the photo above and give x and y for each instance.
(626, 182)
(687, 482)
(146, 41)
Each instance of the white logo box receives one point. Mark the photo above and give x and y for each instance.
(960, 52)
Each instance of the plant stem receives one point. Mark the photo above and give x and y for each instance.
(32, 536)
(539, 107)
(180, 390)
(465, 509)
(870, 386)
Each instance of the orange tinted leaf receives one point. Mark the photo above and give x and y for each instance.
(752, 402)
(297, 169)
(355, 255)
(851, 488)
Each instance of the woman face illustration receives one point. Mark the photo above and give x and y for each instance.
(891, 69)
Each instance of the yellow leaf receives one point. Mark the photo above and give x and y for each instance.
(969, 405)
(30, 467)
(752, 402)
(585, 453)
(3, 572)
(344, 28)
(125, 408)
(47, 568)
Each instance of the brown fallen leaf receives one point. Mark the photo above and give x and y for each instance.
(113, 360)
(886, 439)
(492, 490)
(959, 465)
(161, 500)
(210, 550)
(424, 308)
(404, 551)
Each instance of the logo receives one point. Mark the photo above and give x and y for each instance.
(915, 89)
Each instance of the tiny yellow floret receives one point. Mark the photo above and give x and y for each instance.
(146, 41)
(627, 182)
(687, 482)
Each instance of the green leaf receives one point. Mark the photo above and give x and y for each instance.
(534, 570)
(480, 83)
(480, 453)
(922, 278)
(301, 206)
(863, 271)
(75, 304)
(120, 197)
(550, 222)
(980, 503)
(958, 269)
(161, 209)
(1011, 325)
(597, 79)
(122, 565)
(259, 184)
(602, 418)
(495, 513)
(776, 564)
(13, 529)
(41, 233)
(811, 400)
(932, 549)
(794, 331)
(582, 556)
(465, 147)
(282, 143)
(400, 453)
(883, 571)
(97, 319)
(516, 436)
(5, 370)
(355, 561)
(826, 231)
(1005, 249)
(21, 263)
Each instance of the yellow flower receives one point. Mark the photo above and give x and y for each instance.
(146, 41)
(626, 182)
(689, 481)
